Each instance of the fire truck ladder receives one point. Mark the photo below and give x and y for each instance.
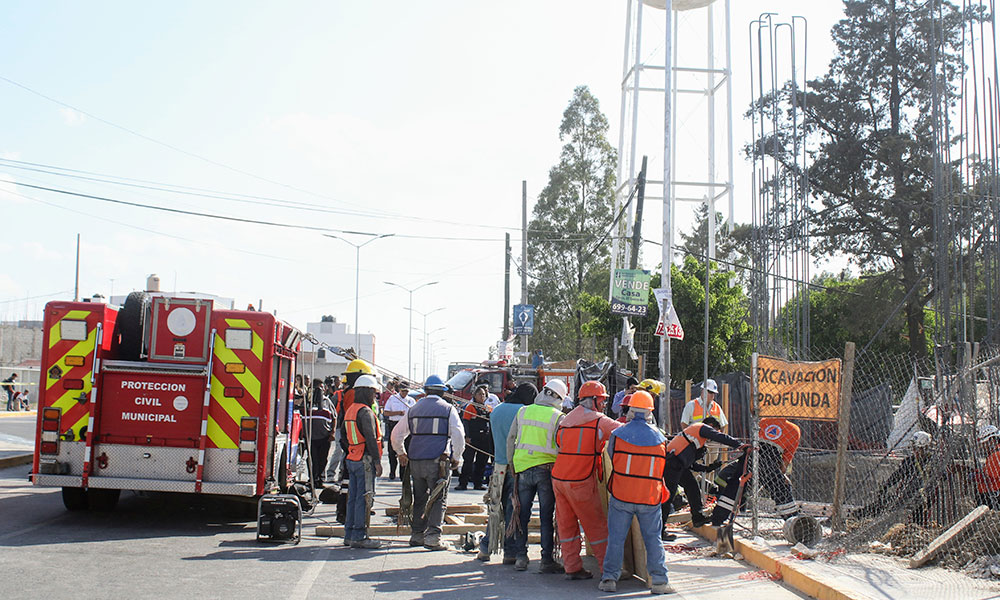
(204, 416)
(91, 433)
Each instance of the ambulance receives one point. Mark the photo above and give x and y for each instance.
(164, 394)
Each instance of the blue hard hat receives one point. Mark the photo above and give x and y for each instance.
(434, 382)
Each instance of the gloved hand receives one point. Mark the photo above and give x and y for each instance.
(714, 466)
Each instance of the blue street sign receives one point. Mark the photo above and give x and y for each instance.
(524, 319)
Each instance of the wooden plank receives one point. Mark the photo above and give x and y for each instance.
(843, 429)
(454, 520)
(947, 538)
(392, 511)
(390, 530)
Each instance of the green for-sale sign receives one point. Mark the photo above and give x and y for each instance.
(630, 292)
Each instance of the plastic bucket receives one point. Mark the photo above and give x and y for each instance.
(803, 529)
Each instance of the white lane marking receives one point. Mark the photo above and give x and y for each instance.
(305, 583)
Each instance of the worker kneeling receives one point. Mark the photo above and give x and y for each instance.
(638, 458)
(582, 436)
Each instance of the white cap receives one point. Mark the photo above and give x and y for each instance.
(710, 386)
(366, 381)
(986, 431)
(921, 439)
(557, 386)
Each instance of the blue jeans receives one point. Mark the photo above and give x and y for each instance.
(536, 480)
(650, 523)
(509, 542)
(357, 510)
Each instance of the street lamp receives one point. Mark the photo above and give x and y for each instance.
(424, 315)
(357, 275)
(409, 361)
(427, 344)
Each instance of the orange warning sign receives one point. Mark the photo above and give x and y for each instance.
(798, 390)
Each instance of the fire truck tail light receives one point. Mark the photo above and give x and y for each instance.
(50, 430)
(248, 435)
(50, 436)
(72, 384)
(50, 448)
(248, 446)
(51, 414)
(235, 367)
(233, 392)
(50, 425)
(74, 361)
(73, 330)
(248, 439)
(247, 457)
(248, 423)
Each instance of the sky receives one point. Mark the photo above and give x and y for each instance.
(418, 120)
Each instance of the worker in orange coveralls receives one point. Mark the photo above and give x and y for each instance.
(581, 438)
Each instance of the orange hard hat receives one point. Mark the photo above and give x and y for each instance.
(641, 400)
(591, 389)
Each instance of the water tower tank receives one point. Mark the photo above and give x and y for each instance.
(678, 4)
(153, 283)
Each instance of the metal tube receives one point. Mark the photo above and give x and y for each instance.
(667, 250)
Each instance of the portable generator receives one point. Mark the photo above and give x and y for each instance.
(279, 519)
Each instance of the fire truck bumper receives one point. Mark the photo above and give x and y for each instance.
(148, 485)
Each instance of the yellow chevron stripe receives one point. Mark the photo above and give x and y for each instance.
(80, 424)
(247, 379)
(85, 347)
(218, 437)
(55, 332)
(257, 345)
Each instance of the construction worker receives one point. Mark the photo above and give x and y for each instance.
(479, 440)
(906, 484)
(988, 479)
(694, 412)
(638, 455)
(437, 440)
(342, 400)
(655, 388)
(363, 435)
(683, 451)
(631, 385)
(582, 436)
(320, 425)
(501, 488)
(779, 440)
(532, 445)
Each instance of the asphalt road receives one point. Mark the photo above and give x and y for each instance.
(177, 546)
(17, 432)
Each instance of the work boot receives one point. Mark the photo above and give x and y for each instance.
(550, 566)
(698, 519)
(667, 536)
(483, 556)
(347, 542)
(521, 564)
(661, 588)
(435, 545)
(461, 487)
(509, 560)
(367, 544)
(608, 585)
(416, 541)
(581, 574)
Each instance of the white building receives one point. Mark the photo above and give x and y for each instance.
(332, 333)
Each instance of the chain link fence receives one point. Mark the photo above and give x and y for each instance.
(917, 452)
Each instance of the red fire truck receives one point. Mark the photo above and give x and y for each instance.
(164, 394)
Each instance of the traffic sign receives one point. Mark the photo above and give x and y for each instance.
(524, 319)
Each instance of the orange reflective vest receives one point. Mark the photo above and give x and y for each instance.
(715, 410)
(782, 434)
(637, 473)
(690, 435)
(579, 452)
(356, 441)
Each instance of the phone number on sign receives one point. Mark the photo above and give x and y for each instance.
(620, 308)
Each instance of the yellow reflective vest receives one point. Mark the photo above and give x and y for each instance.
(536, 436)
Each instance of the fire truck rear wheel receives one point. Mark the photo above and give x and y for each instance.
(129, 326)
(74, 498)
(283, 472)
(104, 500)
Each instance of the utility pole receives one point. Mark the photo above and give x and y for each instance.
(524, 256)
(76, 285)
(668, 224)
(640, 197)
(506, 288)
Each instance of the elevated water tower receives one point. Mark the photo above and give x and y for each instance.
(672, 81)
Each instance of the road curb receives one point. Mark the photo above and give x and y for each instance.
(796, 574)
(17, 413)
(15, 461)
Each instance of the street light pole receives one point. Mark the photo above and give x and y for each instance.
(357, 276)
(409, 360)
(423, 360)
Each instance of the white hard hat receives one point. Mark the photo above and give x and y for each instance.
(711, 386)
(921, 439)
(557, 386)
(366, 381)
(985, 431)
